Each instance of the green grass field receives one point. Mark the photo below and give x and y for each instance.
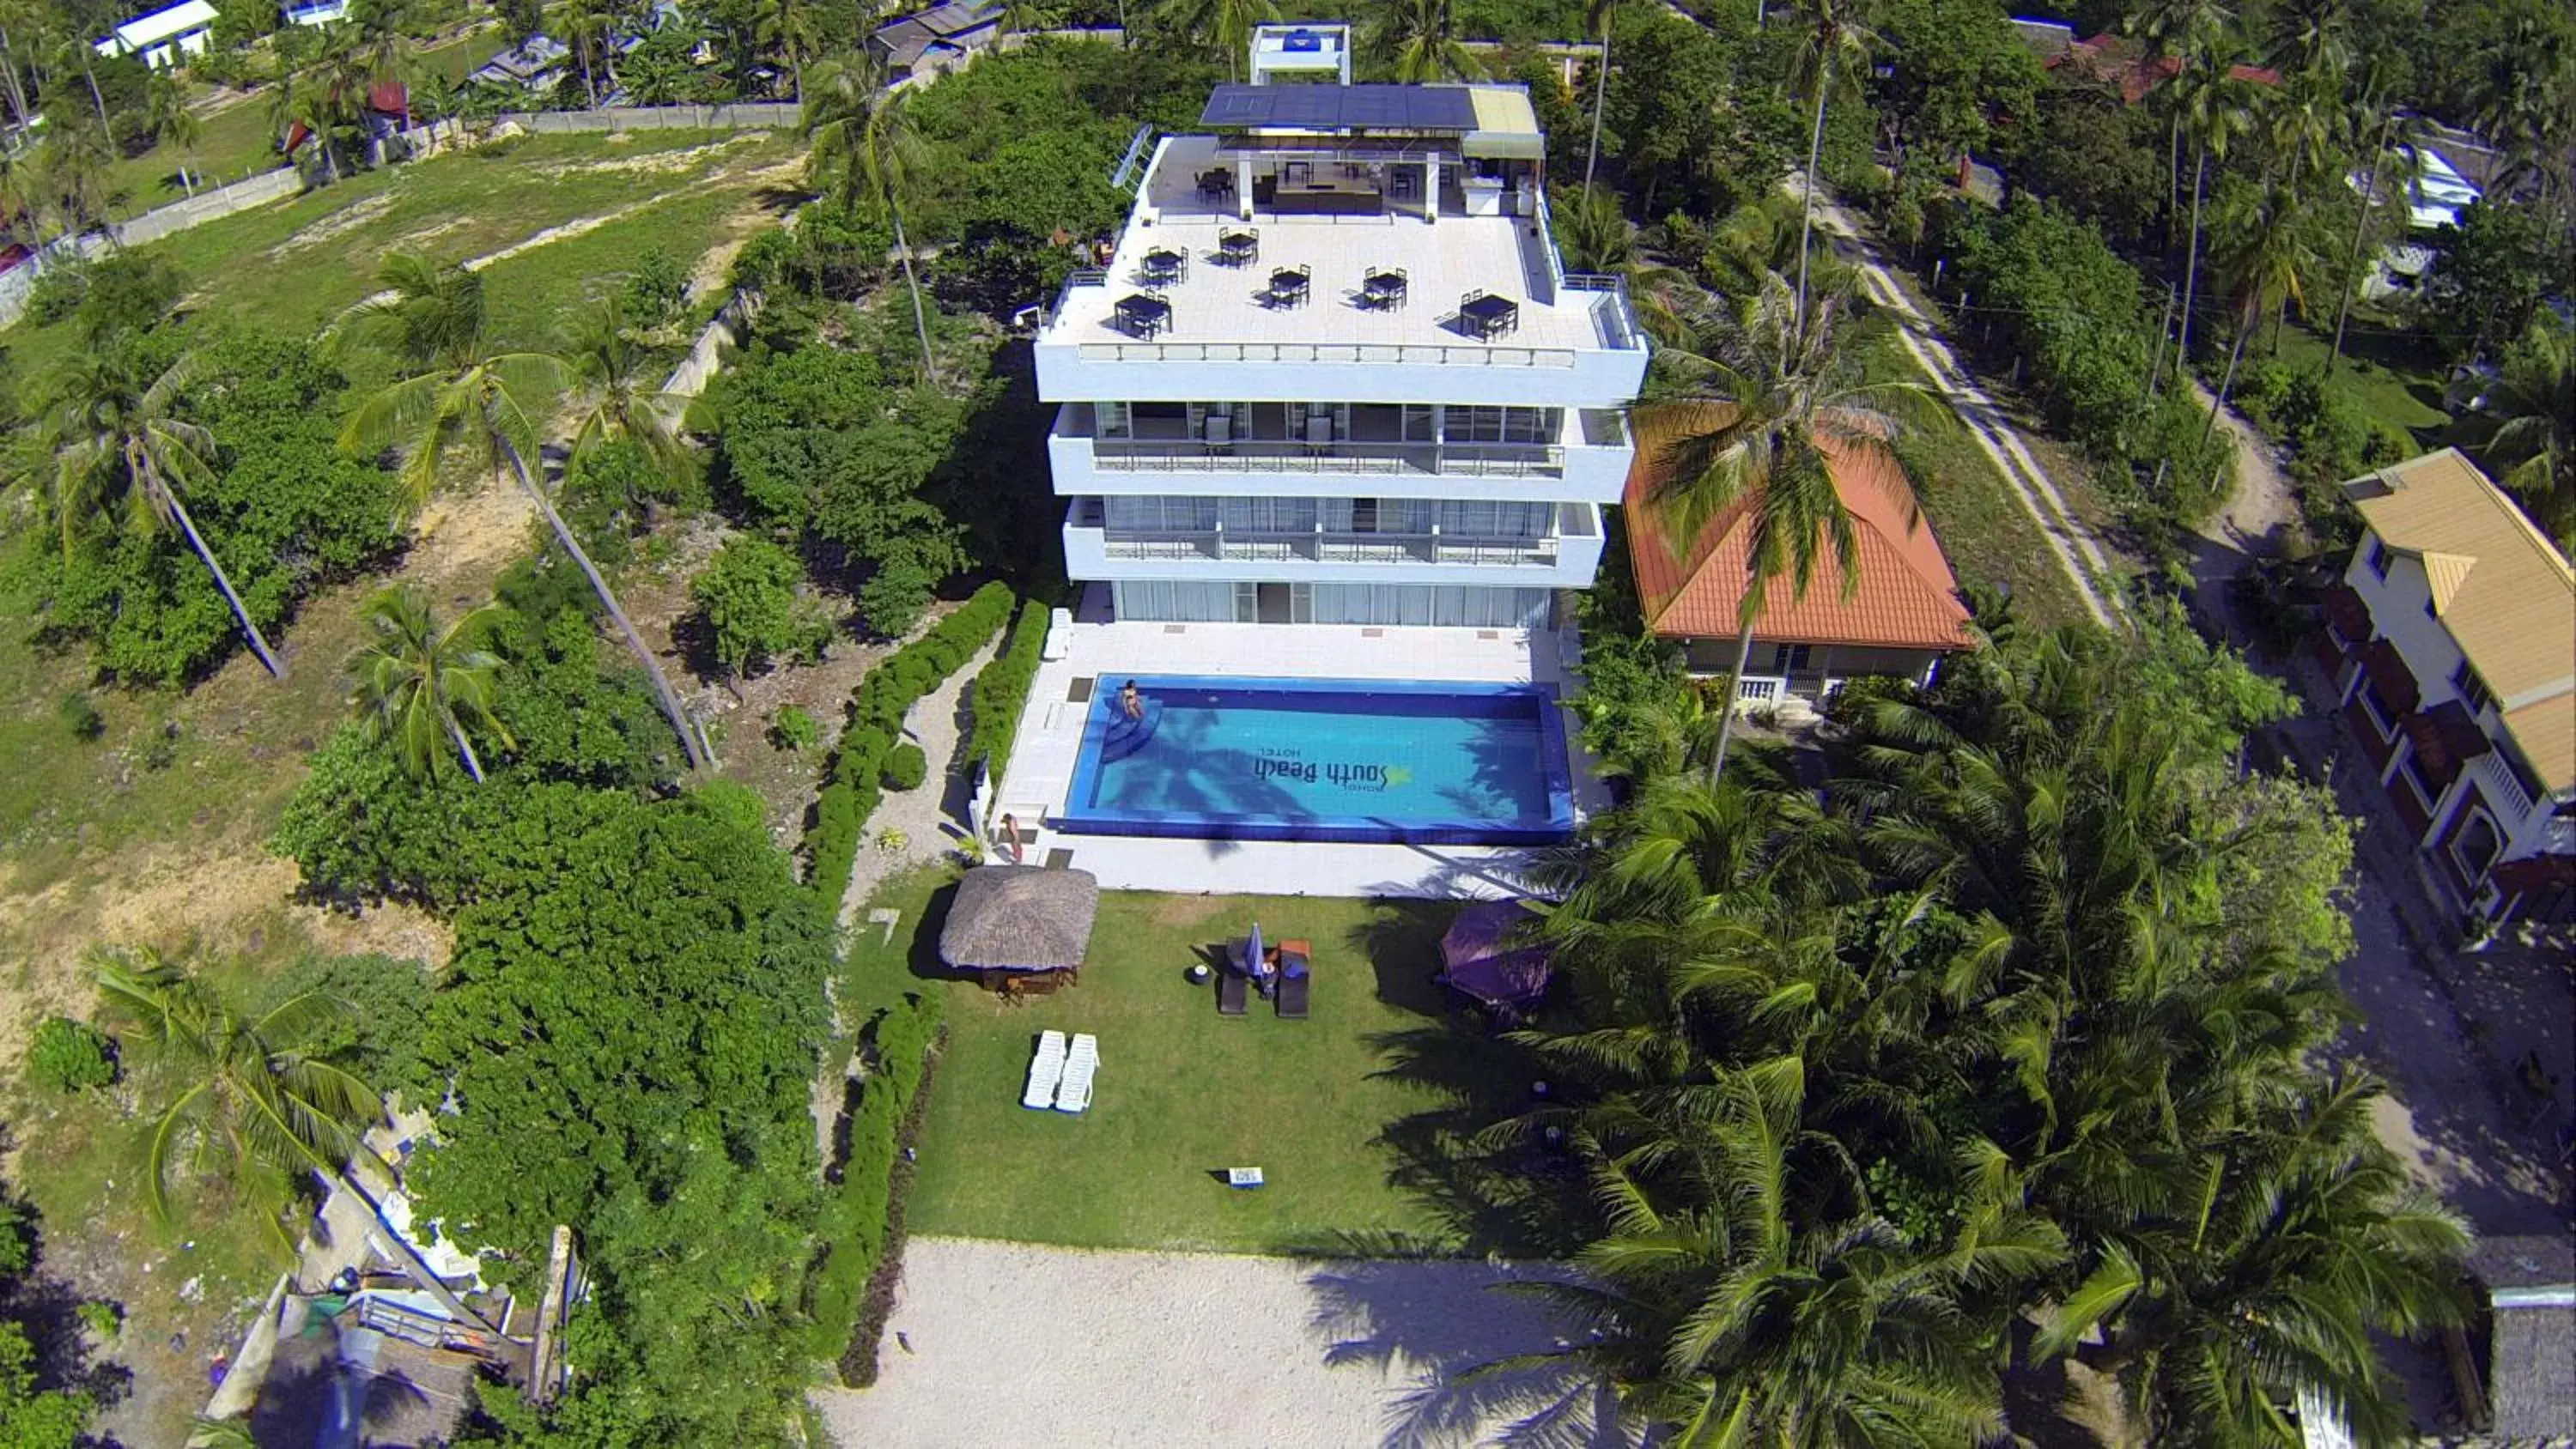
(1351, 1114)
(2392, 375)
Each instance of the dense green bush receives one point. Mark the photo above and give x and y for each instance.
(862, 1222)
(380, 1035)
(80, 716)
(746, 601)
(850, 787)
(906, 767)
(1002, 689)
(791, 728)
(69, 1056)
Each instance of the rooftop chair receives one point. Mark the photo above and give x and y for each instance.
(1074, 1093)
(1046, 1070)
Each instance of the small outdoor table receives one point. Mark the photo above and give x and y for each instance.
(1489, 316)
(1144, 314)
(1237, 248)
(1288, 285)
(1384, 288)
(1164, 265)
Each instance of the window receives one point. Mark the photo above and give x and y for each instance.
(2374, 557)
(2424, 793)
(1502, 425)
(2476, 847)
(2473, 690)
(1791, 658)
(2380, 714)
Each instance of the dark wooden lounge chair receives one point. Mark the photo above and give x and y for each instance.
(1233, 992)
(1296, 972)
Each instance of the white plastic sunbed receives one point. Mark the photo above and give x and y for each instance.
(1046, 1070)
(1074, 1094)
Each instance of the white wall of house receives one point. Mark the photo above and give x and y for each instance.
(2400, 596)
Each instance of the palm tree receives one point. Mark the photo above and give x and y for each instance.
(118, 439)
(1722, 1318)
(1600, 17)
(2210, 103)
(254, 1101)
(420, 686)
(616, 396)
(2523, 99)
(2176, 30)
(1225, 26)
(2308, 37)
(1027, 17)
(173, 123)
(314, 104)
(2306, 1239)
(1834, 45)
(2529, 413)
(1595, 235)
(1768, 397)
(2263, 250)
(866, 154)
(2387, 140)
(587, 26)
(1417, 41)
(463, 395)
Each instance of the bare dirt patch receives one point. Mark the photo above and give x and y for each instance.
(651, 163)
(339, 223)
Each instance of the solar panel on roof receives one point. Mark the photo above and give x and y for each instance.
(1336, 108)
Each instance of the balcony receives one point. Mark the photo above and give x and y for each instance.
(1589, 463)
(1566, 558)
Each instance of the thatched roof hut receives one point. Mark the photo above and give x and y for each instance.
(1020, 918)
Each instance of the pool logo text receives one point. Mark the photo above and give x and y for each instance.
(1287, 765)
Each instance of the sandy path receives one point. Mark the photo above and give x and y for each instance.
(2071, 541)
(1012, 1344)
(932, 818)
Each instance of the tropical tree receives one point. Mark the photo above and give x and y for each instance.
(1834, 47)
(2210, 102)
(2523, 99)
(1600, 17)
(254, 1103)
(2528, 413)
(1766, 399)
(866, 155)
(173, 123)
(588, 26)
(1595, 235)
(464, 397)
(2264, 251)
(1027, 17)
(2305, 1239)
(616, 396)
(2177, 31)
(1417, 42)
(424, 688)
(1224, 26)
(118, 442)
(2391, 158)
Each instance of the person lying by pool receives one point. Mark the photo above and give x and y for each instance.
(1130, 701)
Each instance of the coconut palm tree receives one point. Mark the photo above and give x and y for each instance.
(616, 396)
(1417, 42)
(1720, 1317)
(1763, 397)
(2307, 1237)
(425, 688)
(2176, 30)
(1600, 17)
(462, 396)
(1834, 47)
(2390, 157)
(173, 123)
(118, 442)
(2528, 412)
(1595, 235)
(588, 26)
(2211, 104)
(2523, 99)
(866, 155)
(254, 1103)
(2264, 251)
(1224, 26)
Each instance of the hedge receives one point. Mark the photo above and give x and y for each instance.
(852, 1290)
(1002, 690)
(852, 782)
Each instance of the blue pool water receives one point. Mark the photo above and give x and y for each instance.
(1267, 759)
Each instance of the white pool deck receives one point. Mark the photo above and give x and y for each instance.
(1042, 760)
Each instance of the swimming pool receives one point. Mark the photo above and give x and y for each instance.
(1324, 759)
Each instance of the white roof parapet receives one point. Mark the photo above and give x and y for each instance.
(145, 31)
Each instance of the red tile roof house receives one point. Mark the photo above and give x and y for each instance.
(2452, 644)
(1902, 620)
(2126, 66)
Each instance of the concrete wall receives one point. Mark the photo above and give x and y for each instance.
(178, 216)
(743, 116)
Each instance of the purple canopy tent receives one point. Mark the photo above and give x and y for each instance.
(1484, 961)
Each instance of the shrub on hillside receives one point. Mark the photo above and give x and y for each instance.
(69, 1056)
(1002, 689)
(906, 767)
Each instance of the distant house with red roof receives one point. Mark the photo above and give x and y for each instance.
(2124, 65)
(1902, 618)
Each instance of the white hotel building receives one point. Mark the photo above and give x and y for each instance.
(1335, 371)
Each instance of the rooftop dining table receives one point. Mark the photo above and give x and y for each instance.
(1489, 316)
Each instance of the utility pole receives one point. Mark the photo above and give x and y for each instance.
(2164, 333)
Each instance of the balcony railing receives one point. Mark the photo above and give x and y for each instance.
(1469, 460)
(1319, 546)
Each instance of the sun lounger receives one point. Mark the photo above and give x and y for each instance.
(1295, 973)
(1074, 1093)
(1046, 1070)
(1233, 992)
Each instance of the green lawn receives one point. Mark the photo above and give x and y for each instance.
(2394, 376)
(1967, 504)
(1352, 1114)
(233, 143)
(293, 266)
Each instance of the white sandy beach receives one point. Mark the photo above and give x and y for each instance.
(1013, 1344)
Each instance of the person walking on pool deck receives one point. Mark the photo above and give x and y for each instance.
(1130, 701)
